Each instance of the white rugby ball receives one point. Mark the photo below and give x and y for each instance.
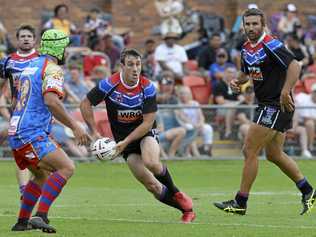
(104, 148)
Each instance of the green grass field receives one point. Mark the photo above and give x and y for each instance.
(103, 199)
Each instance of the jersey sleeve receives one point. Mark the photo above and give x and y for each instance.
(99, 92)
(53, 79)
(280, 53)
(150, 103)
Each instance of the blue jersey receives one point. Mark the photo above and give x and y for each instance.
(12, 66)
(31, 118)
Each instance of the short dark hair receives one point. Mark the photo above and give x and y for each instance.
(149, 41)
(215, 34)
(25, 27)
(58, 7)
(254, 12)
(129, 52)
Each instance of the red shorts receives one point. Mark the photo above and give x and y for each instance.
(31, 154)
(26, 156)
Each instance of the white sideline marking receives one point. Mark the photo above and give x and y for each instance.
(174, 222)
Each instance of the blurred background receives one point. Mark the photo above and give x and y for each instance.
(190, 51)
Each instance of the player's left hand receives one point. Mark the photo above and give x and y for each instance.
(286, 102)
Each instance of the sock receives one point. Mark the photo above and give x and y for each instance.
(304, 186)
(166, 197)
(165, 178)
(241, 199)
(50, 192)
(22, 188)
(30, 196)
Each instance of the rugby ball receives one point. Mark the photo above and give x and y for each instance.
(104, 148)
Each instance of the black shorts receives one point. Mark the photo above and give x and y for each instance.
(272, 117)
(134, 147)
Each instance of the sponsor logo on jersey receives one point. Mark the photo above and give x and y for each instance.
(127, 116)
(255, 73)
(29, 71)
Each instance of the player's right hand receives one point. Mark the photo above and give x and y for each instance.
(82, 138)
(235, 86)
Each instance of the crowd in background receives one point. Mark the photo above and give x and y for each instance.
(190, 75)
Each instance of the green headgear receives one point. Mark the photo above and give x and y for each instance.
(53, 43)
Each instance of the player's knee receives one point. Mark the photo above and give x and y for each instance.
(153, 166)
(153, 187)
(68, 170)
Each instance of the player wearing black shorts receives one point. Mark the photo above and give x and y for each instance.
(274, 72)
(131, 105)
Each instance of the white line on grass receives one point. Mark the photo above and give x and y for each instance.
(141, 221)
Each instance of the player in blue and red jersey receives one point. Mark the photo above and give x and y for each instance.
(11, 69)
(38, 98)
(274, 72)
(131, 105)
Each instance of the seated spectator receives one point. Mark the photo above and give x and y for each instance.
(76, 85)
(193, 118)
(223, 95)
(95, 27)
(60, 21)
(111, 51)
(299, 51)
(217, 69)
(166, 95)
(307, 116)
(244, 115)
(95, 58)
(170, 139)
(98, 73)
(301, 132)
(171, 56)
(65, 138)
(148, 59)
(288, 20)
(207, 55)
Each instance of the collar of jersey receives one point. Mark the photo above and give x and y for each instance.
(24, 55)
(259, 40)
(127, 86)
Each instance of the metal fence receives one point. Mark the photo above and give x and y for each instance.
(222, 148)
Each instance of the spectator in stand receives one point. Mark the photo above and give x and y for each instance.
(217, 69)
(75, 84)
(98, 73)
(307, 116)
(194, 118)
(207, 55)
(299, 51)
(171, 56)
(60, 22)
(301, 132)
(95, 27)
(5, 44)
(288, 20)
(223, 95)
(169, 119)
(148, 63)
(243, 115)
(111, 51)
(169, 140)
(96, 58)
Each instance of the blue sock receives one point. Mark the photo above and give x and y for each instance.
(304, 186)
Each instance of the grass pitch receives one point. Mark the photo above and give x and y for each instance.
(103, 199)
